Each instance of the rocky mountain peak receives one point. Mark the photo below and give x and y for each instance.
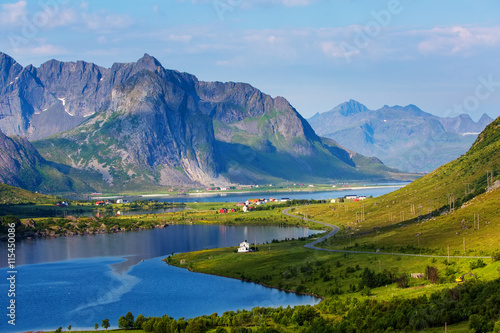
(484, 120)
(349, 108)
(9, 70)
(148, 62)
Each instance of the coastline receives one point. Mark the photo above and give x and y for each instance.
(216, 193)
(321, 298)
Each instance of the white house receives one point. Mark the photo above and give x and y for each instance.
(244, 247)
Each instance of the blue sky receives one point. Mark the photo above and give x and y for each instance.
(442, 56)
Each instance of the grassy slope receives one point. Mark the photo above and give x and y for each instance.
(390, 222)
(10, 195)
(290, 266)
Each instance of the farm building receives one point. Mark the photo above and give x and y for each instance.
(244, 247)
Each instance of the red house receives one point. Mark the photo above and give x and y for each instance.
(223, 211)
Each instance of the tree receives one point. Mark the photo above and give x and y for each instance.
(139, 321)
(403, 281)
(480, 323)
(432, 274)
(497, 327)
(105, 323)
(129, 317)
(59, 330)
(96, 326)
(69, 328)
(123, 323)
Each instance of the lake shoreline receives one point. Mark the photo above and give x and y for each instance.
(322, 298)
(307, 190)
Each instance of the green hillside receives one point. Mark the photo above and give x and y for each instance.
(10, 195)
(418, 218)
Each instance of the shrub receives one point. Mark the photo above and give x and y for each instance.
(432, 274)
(477, 264)
(403, 281)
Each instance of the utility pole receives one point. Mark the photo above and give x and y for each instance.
(464, 245)
(451, 201)
(489, 177)
(467, 188)
(363, 216)
(448, 254)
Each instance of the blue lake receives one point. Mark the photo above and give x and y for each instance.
(82, 280)
(373, 190)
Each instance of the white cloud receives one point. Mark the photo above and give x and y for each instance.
(457, 39)
(45, 50)
(179, 38)
(101, 20)
(251, 3)
(63, 17)
(102, 40)
(13, 13)
(84, 5)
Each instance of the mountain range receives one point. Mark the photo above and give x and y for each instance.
(405, 138)
(140, 126)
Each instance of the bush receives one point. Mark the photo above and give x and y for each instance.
(432, 274)
(495, 256)
(477, 264)
(480, 323)
(403, 281)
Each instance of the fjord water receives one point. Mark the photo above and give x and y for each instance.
(82, 280)
(374, 190)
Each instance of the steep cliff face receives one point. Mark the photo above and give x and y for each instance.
(28, 95)
(245, 115)
(21, 96)
(150, 133)
(139, 126)
(22, 166)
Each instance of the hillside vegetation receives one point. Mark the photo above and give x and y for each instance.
(454, 205)
(10, 195)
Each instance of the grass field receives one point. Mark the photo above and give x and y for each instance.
(475, 227)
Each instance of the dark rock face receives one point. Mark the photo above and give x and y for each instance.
(22, 166)
(139, 125)
(406, 138)
(80, 87)
(18, 162)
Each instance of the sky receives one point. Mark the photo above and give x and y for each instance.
(442, 56)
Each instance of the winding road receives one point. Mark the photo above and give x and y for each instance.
(336, 229)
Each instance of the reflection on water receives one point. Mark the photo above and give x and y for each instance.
(145, 244)
(81, 280)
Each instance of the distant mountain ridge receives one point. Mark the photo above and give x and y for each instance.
(139, 126)
(22, 166)
(405, 138)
